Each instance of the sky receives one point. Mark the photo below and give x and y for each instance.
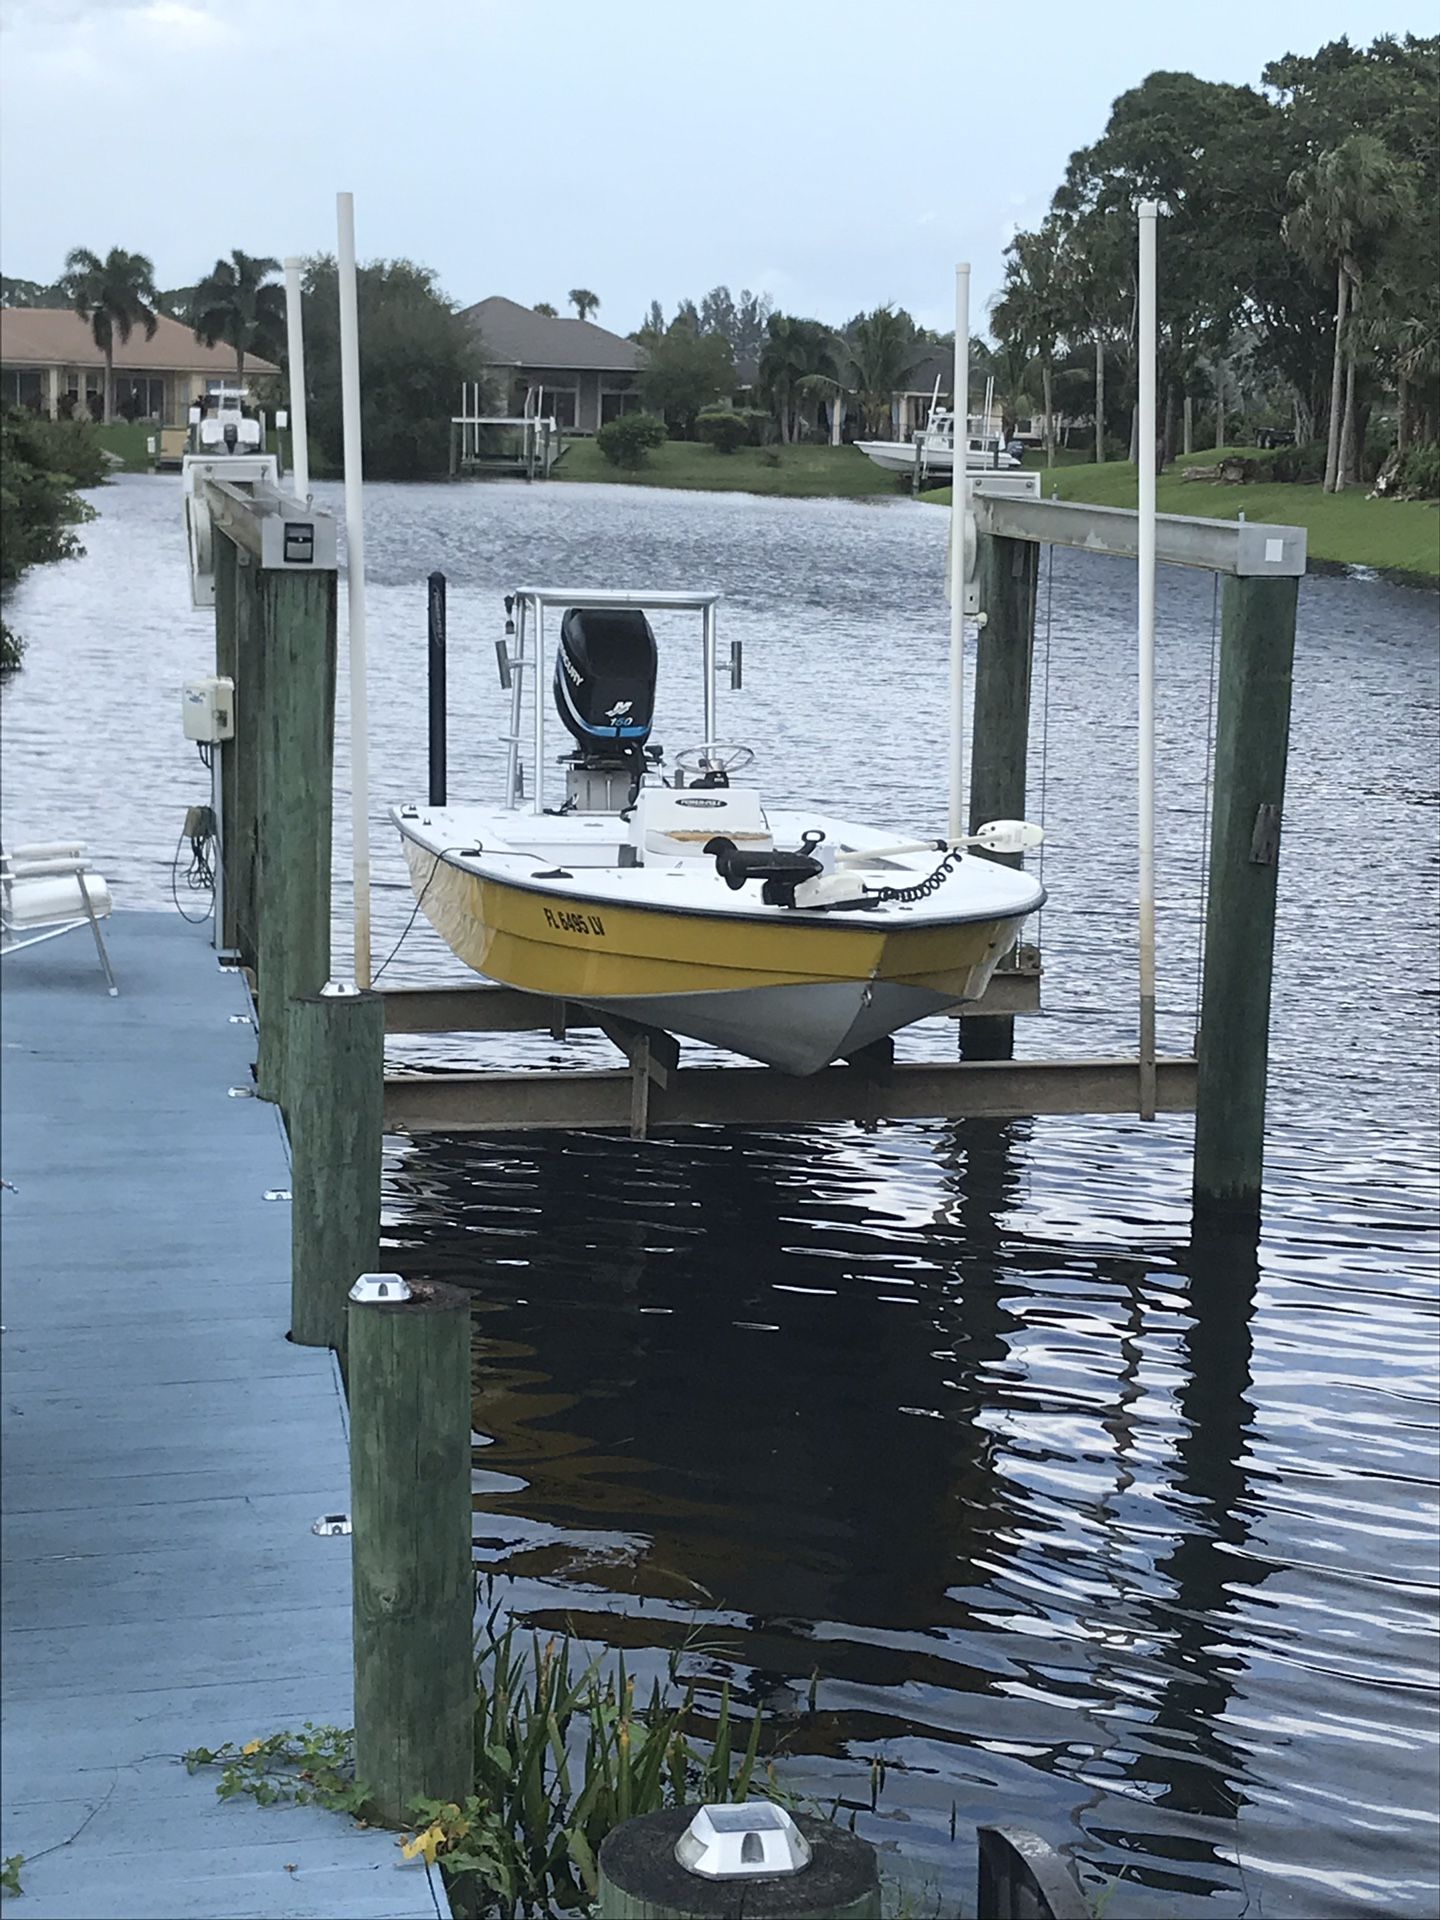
(833, 153)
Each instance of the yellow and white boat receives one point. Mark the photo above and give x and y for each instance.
(671, 896)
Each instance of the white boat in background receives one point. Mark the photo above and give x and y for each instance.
(985, 452)
(687, 903)
(224, 443)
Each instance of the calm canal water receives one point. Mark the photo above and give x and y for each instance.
(1072, 1523)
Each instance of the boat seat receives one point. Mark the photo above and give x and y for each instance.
(671, 823)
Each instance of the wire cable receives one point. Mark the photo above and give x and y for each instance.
(415, 910)
(200, 874)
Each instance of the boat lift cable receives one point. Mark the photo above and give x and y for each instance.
(1205, 800)
(415, 910)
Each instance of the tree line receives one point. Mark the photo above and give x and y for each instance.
(1299, 255)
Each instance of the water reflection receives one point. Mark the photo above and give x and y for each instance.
(1079, 1525)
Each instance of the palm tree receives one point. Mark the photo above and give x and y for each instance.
(1032, 307)
(235, 304)
(545, 310)
(796, 352)
(584, 302)
(1348, 202)
(113, 295)
(883, 351)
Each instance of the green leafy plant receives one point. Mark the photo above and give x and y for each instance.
(10, 1874)
(313, 1767)
(628, 441)
(564, 1752)
(723, 429)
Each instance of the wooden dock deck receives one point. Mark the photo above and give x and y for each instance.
(165, 1451)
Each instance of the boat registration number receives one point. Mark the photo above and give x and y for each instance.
(583, 923)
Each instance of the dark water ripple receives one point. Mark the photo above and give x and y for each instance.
(1075, 1522)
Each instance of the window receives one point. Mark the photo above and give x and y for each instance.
(21, 387)
(139, 396)
(612, 405)
(558, 404)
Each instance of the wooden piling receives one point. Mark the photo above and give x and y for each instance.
(336, 1115)
(1257, 652)
(1008, 572)
(237, 653)
(413, 1579)
(296, 772)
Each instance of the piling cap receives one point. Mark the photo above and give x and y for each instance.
(738, 1842)
(372, 1287)
(339, 990)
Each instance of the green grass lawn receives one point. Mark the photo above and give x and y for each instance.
(128, 439)
(794, 472)
(1403, 534)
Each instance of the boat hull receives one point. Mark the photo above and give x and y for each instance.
(794, 991)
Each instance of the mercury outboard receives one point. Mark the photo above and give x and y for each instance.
(605, 673)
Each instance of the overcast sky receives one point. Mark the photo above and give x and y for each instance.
(647, 149)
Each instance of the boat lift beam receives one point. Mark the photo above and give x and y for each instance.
(741, 1096)
(490, 1009)
(1248, 549)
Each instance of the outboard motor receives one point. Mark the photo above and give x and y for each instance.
(605, 693)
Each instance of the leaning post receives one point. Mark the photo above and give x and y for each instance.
(1008, 572)
(411, 1554)
(297, 757)
(1257, 653)
(335, 1111)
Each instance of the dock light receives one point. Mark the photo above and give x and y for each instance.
(742, 1842)
(371, 1288)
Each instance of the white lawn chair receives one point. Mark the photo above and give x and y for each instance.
(46, 889)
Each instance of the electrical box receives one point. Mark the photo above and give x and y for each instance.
(208, 709)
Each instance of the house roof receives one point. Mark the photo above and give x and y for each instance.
(939, 365)
(516, 336)
(54, 336)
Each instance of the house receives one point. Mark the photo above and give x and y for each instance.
(580, 374)
(49, 362)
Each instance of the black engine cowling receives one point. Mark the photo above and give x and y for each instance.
(605, 680)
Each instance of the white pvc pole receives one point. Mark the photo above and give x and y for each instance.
(959, 502)
(355, 582)
(1147, 658)
(295, 339)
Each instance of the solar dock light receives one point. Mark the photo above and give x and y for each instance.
(719, 1862)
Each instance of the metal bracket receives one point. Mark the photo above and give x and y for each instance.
(1265, 840)
(653, 1055)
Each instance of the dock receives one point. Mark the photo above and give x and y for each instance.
(166, 1453)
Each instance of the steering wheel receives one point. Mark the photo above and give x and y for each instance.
(715, 756)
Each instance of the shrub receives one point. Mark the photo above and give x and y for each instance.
(69, 447)
(1418, 475)
(1300, 466)
(723, 429)
(628, 441)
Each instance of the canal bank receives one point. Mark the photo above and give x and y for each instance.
(166, 1451)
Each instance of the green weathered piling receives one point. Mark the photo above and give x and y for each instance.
(640, 1878)
(225, 663)
(238, 653)
(1008, 572)
(335, 1112)
(414, 1584)
(296, 771)
(1257, 652)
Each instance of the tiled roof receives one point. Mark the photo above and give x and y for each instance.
(516, 336)
(54, 336)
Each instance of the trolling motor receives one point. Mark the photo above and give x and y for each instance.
(780, 870)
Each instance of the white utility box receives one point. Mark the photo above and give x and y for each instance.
(208, 709)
